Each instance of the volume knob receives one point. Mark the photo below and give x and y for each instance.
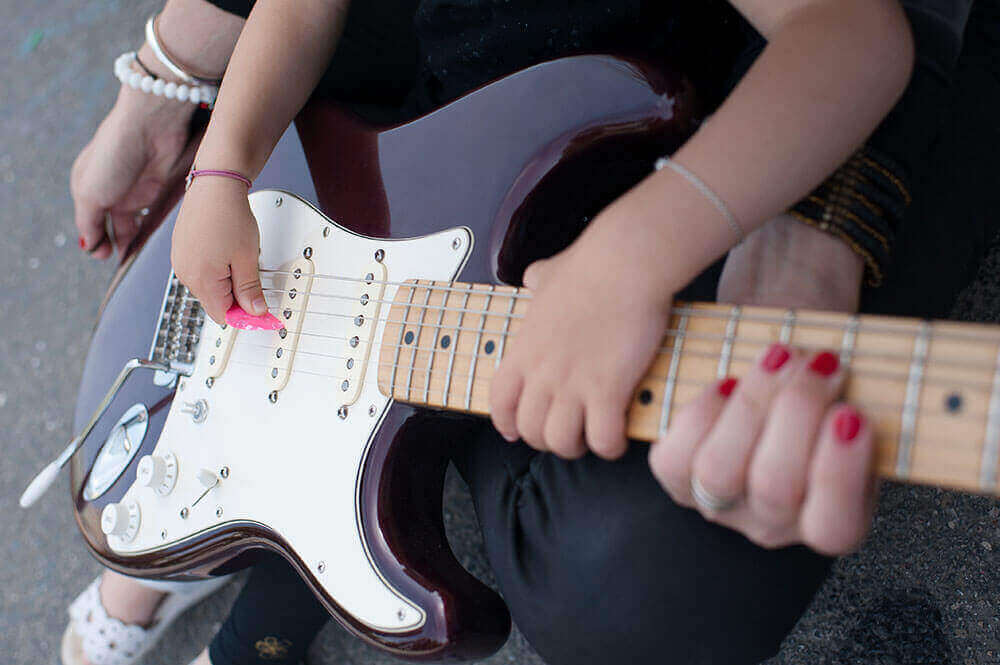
(121, 520)
(158, 473)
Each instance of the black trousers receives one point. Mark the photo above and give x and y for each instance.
(595, 562)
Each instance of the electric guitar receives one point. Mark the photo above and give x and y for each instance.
(316, 441)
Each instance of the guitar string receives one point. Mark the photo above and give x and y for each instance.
(905, 326)
(936, 362)
(799, 323)
(697, 383)
(855, 371)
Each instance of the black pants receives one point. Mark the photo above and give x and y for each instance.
(595, 562)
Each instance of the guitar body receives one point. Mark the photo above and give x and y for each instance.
(309, 458)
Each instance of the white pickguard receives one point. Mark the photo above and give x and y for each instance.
(293, 464)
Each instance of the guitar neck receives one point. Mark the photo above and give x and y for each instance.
(931, 389)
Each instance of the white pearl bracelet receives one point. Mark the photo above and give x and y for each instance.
(196, 94)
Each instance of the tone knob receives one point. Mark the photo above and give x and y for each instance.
(121, 520)
(158, 472)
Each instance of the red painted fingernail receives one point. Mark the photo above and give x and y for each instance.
(825, 363)
(846, 425)
(83, 243)
(726, 386)
(776, 356)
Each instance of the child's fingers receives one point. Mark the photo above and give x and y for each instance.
(837, 510)
(246, 283)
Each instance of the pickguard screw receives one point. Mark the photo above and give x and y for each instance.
(273, 396)
(224, 472)
(326, 232)
(401, 614)
(456, 243)
(184, 513)
(372, 411)
(163, 535)
(209, 382)
(321, 567)
(307, 252)
(379, 255)
(218, 511)
(342, 412)
(278, 201)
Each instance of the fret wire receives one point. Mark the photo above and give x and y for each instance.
(416, 343)
(671, 383)
(402, 328)
(849, 340)
(911, 402)
(727, 344)
(506, 330)
(475, 356)
(991, 441)
(787, 326)
(433, 349)
(454, 347)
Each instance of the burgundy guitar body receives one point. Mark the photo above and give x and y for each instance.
(524, 163)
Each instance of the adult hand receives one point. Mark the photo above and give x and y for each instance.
(792, 465)
(140, 152)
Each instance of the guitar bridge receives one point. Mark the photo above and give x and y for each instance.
(179, 328)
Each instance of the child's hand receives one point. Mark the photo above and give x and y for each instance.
(595, 320)
(216, 245)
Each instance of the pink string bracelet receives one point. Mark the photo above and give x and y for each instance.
(194, 173)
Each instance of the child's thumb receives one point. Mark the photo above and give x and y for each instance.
(246, 284)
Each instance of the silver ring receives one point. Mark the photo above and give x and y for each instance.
(708, 501)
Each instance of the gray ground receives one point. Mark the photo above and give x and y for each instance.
(921, 591)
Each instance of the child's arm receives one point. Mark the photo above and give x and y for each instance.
(280, 56)
(831, 71)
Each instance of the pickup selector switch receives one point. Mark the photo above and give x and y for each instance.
(120, 520)
(158, 473)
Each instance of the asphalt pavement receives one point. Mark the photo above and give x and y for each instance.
(922, 590)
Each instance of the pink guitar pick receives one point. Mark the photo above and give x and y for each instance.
(237, 317)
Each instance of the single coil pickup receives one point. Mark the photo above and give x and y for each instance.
(292, 311)
(367, 302)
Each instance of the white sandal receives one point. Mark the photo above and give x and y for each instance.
(102, 640)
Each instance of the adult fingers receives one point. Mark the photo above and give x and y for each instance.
(505, 392)
(776, 483)
(837, 510)
(671, 456)
(721, 462)
(563, 431)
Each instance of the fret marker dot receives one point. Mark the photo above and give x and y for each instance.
(488, 347)
(953, 403)
(445, 341)
(408, 338)
(645, 397)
